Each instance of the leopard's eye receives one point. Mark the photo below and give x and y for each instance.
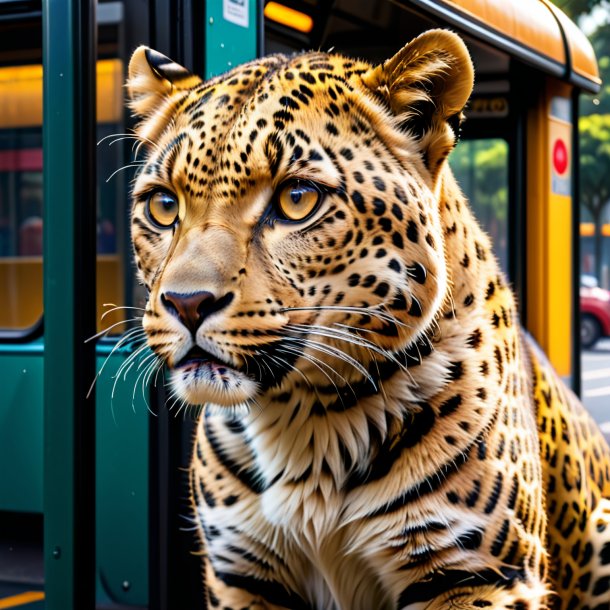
(162, 208)
(298, 199)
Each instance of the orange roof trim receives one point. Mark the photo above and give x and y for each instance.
(538, 25)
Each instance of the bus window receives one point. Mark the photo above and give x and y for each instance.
(20, 195)
(481, 169)
(21, 178)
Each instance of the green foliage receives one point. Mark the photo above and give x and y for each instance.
(600, 103)
(481, 169)
(595, 162)
(576, 8)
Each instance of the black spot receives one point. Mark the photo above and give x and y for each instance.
(394, 265)
(397, 240)
(382, 289)
(491, 288)
(415, 309)
(453, 497)
(474, 340)
(379, 183)
(385, 223)
(473, 496)
(400, 195)
(399, 302)
(567, 576)
(358, 202)
(604, 556)
(470, 541)
(418, 272)
(378, 206)
(369, 280)
(412, 232)
(498, 544)
(230, 500)
(456, 370)
(602, 585)
(288, 102)
(397, 212)
(495, 493)
(450, 405)
(307, 77)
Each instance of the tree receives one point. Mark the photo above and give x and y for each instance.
(595, 173)
(481, 169)
(600, 103)
(576, 8)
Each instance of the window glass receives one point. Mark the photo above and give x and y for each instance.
(21, 183)
(481, 169)
(20, 195)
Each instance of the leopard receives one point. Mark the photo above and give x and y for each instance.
(374, 427)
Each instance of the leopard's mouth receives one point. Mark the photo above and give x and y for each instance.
(200, 377)
(197, 357)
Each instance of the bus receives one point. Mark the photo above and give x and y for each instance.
(93, 495)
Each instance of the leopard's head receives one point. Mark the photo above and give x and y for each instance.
(285, 219)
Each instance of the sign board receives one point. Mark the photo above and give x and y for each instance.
(236, 11)
(560, 142)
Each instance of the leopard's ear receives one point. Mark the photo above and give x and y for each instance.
(426, 85)
(153, 79)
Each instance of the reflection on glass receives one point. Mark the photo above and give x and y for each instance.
(21, 193)
(481, 169)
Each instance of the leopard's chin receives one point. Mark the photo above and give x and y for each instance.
(204, 383)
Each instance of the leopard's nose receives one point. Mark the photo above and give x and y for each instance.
(193, 308)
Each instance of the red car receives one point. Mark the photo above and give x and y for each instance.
(594, 311)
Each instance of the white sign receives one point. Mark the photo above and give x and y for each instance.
(236, 11)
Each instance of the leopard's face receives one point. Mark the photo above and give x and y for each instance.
(285, 221)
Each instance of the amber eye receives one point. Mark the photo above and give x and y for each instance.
(298, 199)
(162, 208)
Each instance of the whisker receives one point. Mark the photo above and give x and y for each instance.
(140, 375)
(332, 333)
(126, 136)
(386, 317)
(107, 330)
(332, 351)
(125, 339)
(318, 364)
(315, 361)
(120, 169)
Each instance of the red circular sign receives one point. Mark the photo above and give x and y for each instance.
(560, 156)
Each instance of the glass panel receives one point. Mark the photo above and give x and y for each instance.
(481, 169)
(21, 199)
(20, 195)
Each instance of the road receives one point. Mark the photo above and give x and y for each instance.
(596, 383)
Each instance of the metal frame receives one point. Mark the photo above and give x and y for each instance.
(453, 16)
(171, 586)
(576, 315)
(69, 290)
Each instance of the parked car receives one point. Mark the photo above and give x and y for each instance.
(594, 310)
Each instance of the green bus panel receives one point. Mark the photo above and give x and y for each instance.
(21, 428)
(122, 484)
(122, 464)
(231, 34)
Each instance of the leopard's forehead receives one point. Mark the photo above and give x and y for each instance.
(231, 131)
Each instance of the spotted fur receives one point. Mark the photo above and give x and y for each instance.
(376, 431)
